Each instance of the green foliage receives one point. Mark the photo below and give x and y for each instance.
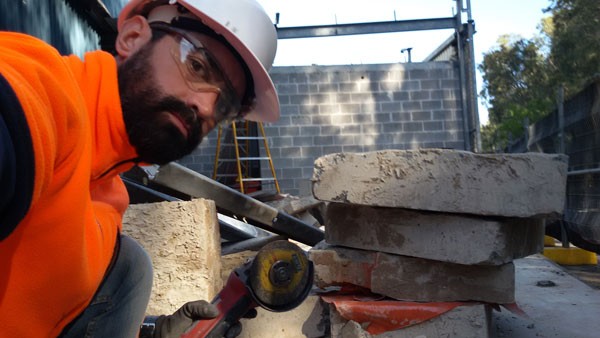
(521, 76)
(516, 86)
(575, 42)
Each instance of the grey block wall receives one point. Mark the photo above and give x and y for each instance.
(353, 108)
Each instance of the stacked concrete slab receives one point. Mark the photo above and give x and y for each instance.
(182, 239)
(434, 225)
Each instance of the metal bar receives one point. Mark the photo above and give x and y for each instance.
(462, 78)
(216, 167)
(472, 90)
(245, 159)
(250, 138)
(257, 179)
(364, 28)
(253, 158)
(583, 171)
(237, 156)
(560, 101)
(271, 166)
(234, 230)
(187, 181)
(249, 244)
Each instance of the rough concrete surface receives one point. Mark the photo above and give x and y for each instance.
(453, 238)
(556, 304)
(468, 321)
(310, 319)
(512, 185)
(412, 279)
(182, 238)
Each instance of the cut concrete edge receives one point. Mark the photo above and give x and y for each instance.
(526, 185)
(433, 235)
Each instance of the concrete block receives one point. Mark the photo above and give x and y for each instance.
(412, 279)
(454, 238)
(183, 240)
(310, 319)
(513, 185)
(468, 321)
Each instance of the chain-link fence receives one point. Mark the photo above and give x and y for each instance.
(573, 129)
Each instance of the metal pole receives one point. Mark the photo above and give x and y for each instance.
(462, 76)
(526, 133)
(560, 98)
(472, 90)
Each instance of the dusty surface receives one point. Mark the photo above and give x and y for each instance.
(182, 238)
(520, 185)
(556, 304)
(589, 274)
(435, 236)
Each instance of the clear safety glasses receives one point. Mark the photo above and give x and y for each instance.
(202, 73)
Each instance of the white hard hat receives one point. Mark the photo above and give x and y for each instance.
(246, 27)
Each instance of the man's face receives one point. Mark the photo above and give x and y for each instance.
(165, 117)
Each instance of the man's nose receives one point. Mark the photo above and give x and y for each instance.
(204, 103)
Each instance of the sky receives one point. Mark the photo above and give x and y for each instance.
(492, 18)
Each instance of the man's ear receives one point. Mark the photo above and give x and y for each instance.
(134, 34)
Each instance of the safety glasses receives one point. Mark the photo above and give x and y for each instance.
(202, 73)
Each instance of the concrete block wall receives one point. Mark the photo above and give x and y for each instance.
(353, 108)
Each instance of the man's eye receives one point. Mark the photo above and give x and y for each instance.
(197, 68)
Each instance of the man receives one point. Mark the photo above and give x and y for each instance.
(69, 127)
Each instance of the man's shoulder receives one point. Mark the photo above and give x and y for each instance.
(25, 43)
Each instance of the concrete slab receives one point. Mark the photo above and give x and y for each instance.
(310, 319)
(412, 279)
(182, 238)
(570, 308)
(524, 185)
(435, 236)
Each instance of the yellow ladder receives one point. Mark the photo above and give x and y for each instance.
(235, 145)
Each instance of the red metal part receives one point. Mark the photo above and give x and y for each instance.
(233, 302)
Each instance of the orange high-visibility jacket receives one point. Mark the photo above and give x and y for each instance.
(62, 145)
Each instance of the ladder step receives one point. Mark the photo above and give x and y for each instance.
(243, 159)
(250, 138)
(253, 158)
(257, 179)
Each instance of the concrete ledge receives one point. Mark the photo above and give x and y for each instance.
(569, 308)
(524, 185)
(443, 237)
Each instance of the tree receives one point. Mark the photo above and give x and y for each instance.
(521, 76)
(516, 87)
(575, 42)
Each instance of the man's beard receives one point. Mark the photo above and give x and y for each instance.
(145, 112)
